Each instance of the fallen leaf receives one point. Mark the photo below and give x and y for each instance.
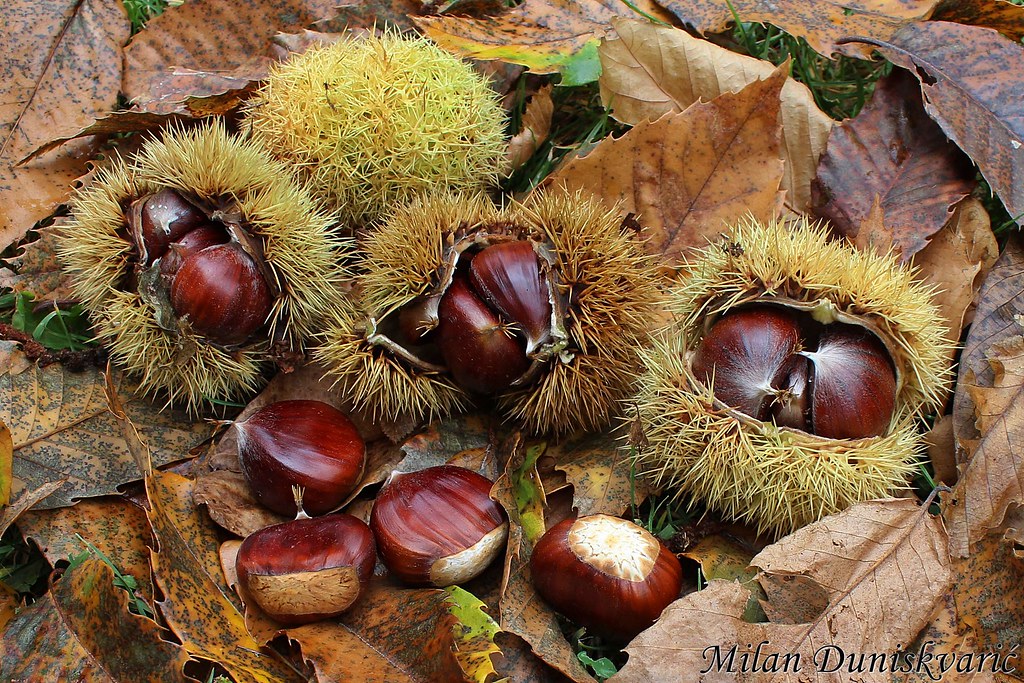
(39, 271)
(943, 636)
(649, 70)
(373, 14)
(6, 464)
(534, 130)
(723, 558)
(1005, 17)
(117, 527)
(474, 635)
(546, 36)
(823, 24)
(81, 630)
(518, 664)
(972, 79)
(882, 564)
(893, 151)
(63, 430)
(436, 444)
(199, 607)
(990, 481)
(205, 48)
(599, 470)
(955, 262)
(26, 500)
(10, 602)
(942, 450)
(689, 175)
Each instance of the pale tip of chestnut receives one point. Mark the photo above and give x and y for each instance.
(329, 591)
(465, 565)
(615, 547)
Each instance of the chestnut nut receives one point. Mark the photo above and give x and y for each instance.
(438, 526)
(307, 569)
(836, 381)
(300, 443)
(606, 574)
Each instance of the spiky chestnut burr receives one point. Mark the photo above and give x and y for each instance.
(372, 121)
(775, 476)
(234, 193)
(539, 307)
(606, 574)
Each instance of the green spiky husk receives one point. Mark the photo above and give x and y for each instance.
(303, 256)
(781, 479)
(612, 289)
(373, 121)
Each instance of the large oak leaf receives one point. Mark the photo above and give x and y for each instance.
(650, 70)
(690, 175)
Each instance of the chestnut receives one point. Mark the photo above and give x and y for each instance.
(835, 381)
(606, 574)
(481, 351)
(305, 443)
(438, 526)
(206, 235)
(507, 276)
(223, 293)
(307, 569)
(160, 218)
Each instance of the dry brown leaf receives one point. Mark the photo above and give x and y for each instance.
(81, 630)
(945, 635)
(546, 36)
(62, 429)
(893, 152)
(38, 270)
(598, 469)
(991, 480)
(822, 24)
(10, 601)
(883, 566)
(956, 261)
(210, 47)
(972, 79)
(536, 127)
(1005, 17)
(61, 67)
(6, 464)
(942, 450)
(26, 500)
(117, 527)
(689, 175)
(649, 70)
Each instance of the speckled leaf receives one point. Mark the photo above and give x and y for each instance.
(436, 444)
(522, 612)
(822, 24)
(1003, 16)
(10, 602)
(688, 175)
(546, 36)
(209, 47)
(902, 158)
(474, 635)
(198, 605)
(373, 13)
(6, 464)
(955, 262)
(598, 468)
(650, 70)
(24, 501)
(722, 557)
(60, 67)
(81, 630)
(992, 480)
(518, 664)
(117, 527)
(63, 430)
(38, 270)
(973, 84)
(125, 122)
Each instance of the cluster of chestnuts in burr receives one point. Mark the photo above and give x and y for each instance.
(777, 364)
(432, 527)
(203, 262)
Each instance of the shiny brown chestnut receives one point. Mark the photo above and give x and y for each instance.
(836, 380)
(158, 219)
(507, 277)
(300, 443)
(206, 235)
(438, 526)
(743, 353)
(606, 574)
(307, 569)
(853, 384)
(482, 352)
(222, 292)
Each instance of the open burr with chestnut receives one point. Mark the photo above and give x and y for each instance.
(791, 382)
(200, 261)
(538, 309)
